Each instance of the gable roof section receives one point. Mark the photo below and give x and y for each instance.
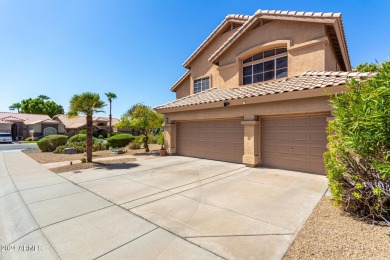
(306, 81)
(229, 18)
(327, 18)
(182, 78)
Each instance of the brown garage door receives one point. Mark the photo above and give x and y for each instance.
(216, 140)
(294, 143)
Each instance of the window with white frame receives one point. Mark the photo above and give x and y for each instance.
(263, 66)
(201, 85)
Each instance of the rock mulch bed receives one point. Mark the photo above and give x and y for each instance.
(329, 233)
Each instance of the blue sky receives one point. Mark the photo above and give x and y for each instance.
(135, 48)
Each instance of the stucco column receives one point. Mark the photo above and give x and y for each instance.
(251, 143)
(170, 138)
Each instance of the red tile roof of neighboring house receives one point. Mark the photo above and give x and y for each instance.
(306, 81)
(22, 117)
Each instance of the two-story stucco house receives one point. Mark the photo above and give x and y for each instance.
(257, 91)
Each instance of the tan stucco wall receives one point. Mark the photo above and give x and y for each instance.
(296, 32)
(184, 89)
(201, 67)
(61, 128)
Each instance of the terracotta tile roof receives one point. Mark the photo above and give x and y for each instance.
(306, 81)
(21, 117)
(235, 17)
(277, 13)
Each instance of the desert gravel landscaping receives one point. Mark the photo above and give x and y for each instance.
(329, 233)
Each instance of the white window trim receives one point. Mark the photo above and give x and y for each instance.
(200, 78)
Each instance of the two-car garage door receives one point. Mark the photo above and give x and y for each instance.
(217, 140)
(291, 143)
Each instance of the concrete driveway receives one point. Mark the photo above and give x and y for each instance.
(169, 207)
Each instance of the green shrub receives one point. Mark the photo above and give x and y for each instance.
(29, 139)
(83, 132)
(358, 156)
(134, 145)
(78, 138)
(160, 140)
(152, 139)
(120, 140)
(83, 160)
(139, 139)
(51, 142)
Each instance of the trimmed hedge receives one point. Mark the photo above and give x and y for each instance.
(51, 142)
(120, 140)
(82, 138)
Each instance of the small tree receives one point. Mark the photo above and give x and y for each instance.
(143, 118)
(110, 97)
(358, 159)
(41, 105)
(15, 106)
(86, 103)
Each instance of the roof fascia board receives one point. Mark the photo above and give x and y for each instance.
(341, 36)
(177, 83)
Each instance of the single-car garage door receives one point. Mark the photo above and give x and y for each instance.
(294, 143)
(216, 140)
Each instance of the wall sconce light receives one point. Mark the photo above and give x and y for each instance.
(225, 104)
(166, 120)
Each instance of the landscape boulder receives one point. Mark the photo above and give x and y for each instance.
(69, 150)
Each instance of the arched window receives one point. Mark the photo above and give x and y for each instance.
(49, 131)
(263, 66)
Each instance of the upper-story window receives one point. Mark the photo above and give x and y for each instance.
(201, 85)
(263, 66)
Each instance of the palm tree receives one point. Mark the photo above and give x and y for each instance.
(16, 106)
(110, 97)
(43, 97)
(86, 103)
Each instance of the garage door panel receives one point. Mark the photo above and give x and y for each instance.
(217, 140)
(294, 143)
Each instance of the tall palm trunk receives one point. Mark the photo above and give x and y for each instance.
(89, 137)
(110, 118)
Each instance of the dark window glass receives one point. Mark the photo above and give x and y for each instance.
(247, 60)
(281, 73)
(257, 68)
(281, 50)
(281, 62)
(247, 80)
(269, 65)
(247, 71)
(258, 56)
(201, 85)
(257, 77)
(269, 75)
(269, 53)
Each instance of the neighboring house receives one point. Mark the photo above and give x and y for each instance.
(101, 125)
(256, 91)
(22, 125)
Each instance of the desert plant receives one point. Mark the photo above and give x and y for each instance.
(110, 97)
(134, 145)
(142, 118)
(83, 160)
(160, 140)
(358, 159)
(120, 140)
(51, 142)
